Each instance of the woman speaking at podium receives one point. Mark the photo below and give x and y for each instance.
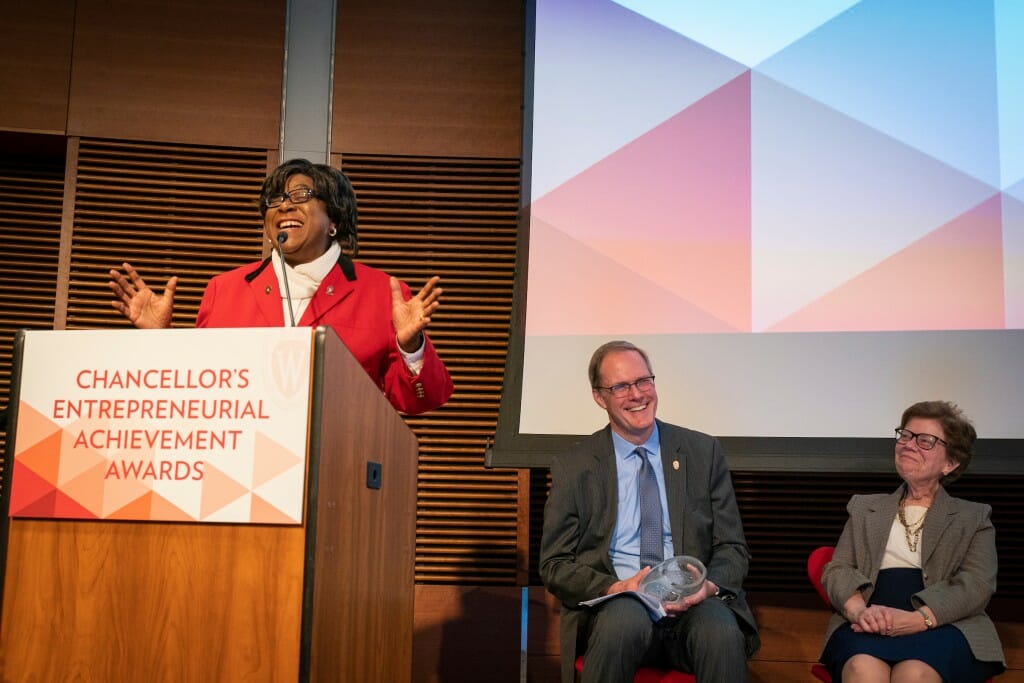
(309, 211)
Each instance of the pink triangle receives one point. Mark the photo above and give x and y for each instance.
(78, 459)
(952, 278)
(89, 487)
(165, 511)
(263, 512)
(33, 426)
(686, 226)
(570, 303)
(271, 459)
(218, 490)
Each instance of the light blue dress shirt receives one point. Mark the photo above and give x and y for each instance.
(625, 547)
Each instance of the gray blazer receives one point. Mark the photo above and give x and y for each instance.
(958, 554)
(580, 514)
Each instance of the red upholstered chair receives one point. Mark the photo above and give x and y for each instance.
(816, 562)
(651, 675)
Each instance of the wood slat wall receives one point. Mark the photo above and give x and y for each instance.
(31, 197)
(456, 218)
(182, 210)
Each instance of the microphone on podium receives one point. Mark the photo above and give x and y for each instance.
(282, 237)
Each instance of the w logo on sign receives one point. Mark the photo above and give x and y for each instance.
(289, 367)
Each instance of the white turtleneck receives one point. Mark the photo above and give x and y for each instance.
(305, 279)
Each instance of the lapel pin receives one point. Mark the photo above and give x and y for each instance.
(267, 290)
(675, 464)
(330, 290)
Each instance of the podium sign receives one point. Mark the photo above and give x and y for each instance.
(206, 425)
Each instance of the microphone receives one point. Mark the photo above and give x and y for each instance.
(282, 237)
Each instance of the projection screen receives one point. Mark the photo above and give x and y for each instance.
(810, 214)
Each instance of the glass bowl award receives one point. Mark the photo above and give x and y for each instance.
(674, 579)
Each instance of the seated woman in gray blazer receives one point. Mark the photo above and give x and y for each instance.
(914, 570)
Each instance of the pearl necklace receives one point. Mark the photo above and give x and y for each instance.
(911, 531)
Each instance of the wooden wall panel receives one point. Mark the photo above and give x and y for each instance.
(439, 78)
(36, 56)
(456, 218)
(166, 209)
(200, 71)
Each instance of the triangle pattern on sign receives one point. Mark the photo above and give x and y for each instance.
(219, 490)
(925, 294)
(262, 512)
(139, 508)
(31, 494)
(43, 457)
(271, 459)
(32, 428)
(76, 460)
(65, 507)
(163, 509)
(89, 487)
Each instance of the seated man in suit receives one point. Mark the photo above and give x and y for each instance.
(593, 543)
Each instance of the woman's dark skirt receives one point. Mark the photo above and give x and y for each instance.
(943, 648)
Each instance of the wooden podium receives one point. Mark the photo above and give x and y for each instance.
(328, 600)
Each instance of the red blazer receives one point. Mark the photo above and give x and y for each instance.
(353, 299)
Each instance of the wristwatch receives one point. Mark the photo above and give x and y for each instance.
(928, 621)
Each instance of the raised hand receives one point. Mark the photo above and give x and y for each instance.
(138, 303)
(412, 316)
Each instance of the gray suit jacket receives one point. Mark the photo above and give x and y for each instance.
(580, 514)
(958, 554)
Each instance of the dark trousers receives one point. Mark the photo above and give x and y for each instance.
(706, 641)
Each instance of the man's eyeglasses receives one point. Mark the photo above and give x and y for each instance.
(925, 441)
(299, 195)
(643, 385)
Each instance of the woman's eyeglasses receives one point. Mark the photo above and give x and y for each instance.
(925, 441)
(299, 195)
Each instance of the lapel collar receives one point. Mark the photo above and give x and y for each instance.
(674, 465)
(266, 291)
(607, 465)
(880, 519)
(334, 288)
(940, 515)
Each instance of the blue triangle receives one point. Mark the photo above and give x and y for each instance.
(920, 71)
(748, 31)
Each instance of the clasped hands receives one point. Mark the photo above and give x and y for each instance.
(886, 621)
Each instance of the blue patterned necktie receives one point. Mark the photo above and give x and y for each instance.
(651, 546)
